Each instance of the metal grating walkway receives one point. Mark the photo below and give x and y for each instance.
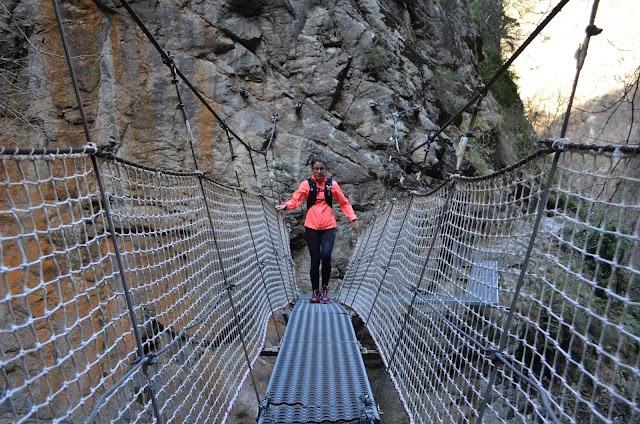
(319, 375)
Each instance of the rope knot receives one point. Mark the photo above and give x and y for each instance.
(592, 30)
(265, 403)
(560, 144)
(148, 359)
(169, 61)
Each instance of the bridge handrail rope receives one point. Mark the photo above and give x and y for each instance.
(48, 151)
(144, 360)
(534, 233)
(484, 88)
(169, 61)
(123, 280)
(440, 219)
(166, 59)
(477, 99)
(422, 298)
(260, 268)
(386, 267)
(383, 325)
(87, 223)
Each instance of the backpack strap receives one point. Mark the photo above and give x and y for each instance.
(313, 193)
(327, 192)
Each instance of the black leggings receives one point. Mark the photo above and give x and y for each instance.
(320, 243)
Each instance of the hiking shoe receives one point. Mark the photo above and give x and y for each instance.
(315, 297)
(324, 298)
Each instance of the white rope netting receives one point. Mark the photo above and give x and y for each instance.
(168, 323)
(491, 298)
(472, 327)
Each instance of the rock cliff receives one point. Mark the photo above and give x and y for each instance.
(364, 82)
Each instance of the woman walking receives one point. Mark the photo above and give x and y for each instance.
(320, 222)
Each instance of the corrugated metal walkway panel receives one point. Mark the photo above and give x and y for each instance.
(319, 375)
(483, 283)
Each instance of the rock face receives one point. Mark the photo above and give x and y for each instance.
(363, 82)
(289, 78)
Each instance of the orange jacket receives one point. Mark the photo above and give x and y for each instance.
(320, 216)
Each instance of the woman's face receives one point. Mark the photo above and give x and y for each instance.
(319, 170)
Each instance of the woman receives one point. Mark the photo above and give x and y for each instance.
(320, 223)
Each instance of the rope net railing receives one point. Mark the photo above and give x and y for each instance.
(129, 294)
(473, 329)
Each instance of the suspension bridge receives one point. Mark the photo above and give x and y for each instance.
(132, 294)
(135, 294)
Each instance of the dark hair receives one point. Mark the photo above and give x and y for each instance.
(317, 158)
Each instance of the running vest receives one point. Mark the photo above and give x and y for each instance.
(313, 193)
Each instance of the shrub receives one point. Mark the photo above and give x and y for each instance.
(504, 89)
(377, 58)
(610, 247)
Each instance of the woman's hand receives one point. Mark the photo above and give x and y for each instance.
(354, 226)
(281, 207)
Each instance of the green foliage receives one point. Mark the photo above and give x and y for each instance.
(608, 246)
(495, 28)
(450, 91)
(504, 89)
(377, 59)
(478, 161)
(489, 15)
(632, 320)
(562, 202)
(445, 77)
(525, 143)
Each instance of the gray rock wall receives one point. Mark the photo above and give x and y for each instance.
(253, 61)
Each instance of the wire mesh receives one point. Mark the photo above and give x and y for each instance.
(471, 331)
(202, 278)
